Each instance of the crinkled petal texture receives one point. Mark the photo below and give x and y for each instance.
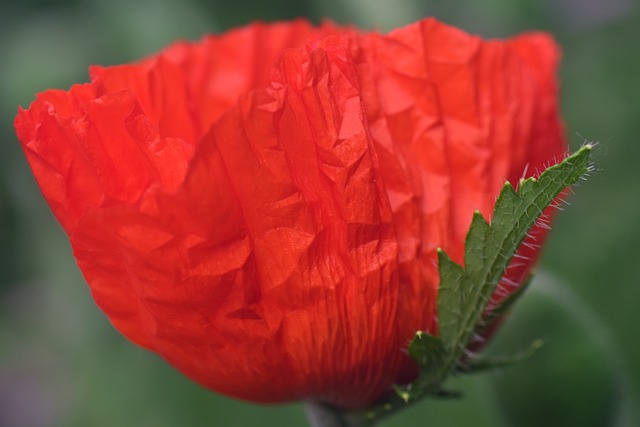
(263, 208)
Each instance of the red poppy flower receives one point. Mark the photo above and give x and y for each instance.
(263, 208)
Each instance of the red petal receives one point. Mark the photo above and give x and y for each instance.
(269, 275)
(136, 126)
(452, 118)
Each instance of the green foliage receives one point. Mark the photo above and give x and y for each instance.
(465, 290)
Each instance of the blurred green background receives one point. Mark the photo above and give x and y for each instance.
(62, 364)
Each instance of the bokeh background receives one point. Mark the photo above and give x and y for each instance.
(62, 364)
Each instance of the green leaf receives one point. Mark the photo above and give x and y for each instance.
(464, 292)
(428, 352)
